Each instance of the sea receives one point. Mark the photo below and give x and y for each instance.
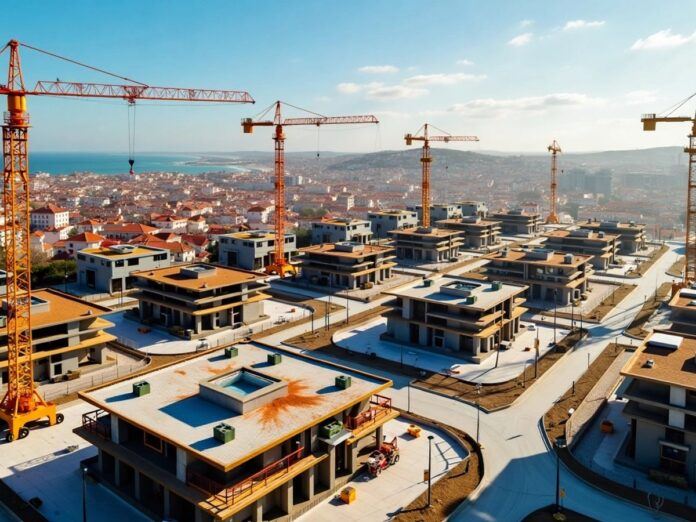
(56, 163)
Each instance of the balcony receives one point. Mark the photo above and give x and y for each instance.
(97, 422)
(379, 412)
(231, 499)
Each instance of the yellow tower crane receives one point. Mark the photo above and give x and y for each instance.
(554, 149)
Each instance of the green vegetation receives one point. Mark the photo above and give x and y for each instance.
(310, 212)
(304, 237)
(52, 272)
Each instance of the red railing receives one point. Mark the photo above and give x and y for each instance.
(232, 494)
(381, 406)
(92, 421)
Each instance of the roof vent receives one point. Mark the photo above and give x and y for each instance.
(141, 388)
(568, 259)
(650, 363)
(223, 433)
(343, 382)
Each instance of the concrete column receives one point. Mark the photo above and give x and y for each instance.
(257, 512)
(100, 462)
(167, 503)
(353, 457)
(327, 469)
(136, 483)
(477, 345)
(380, 435)
(308, 482)
(181, 463)
(197, 327)
(286, 492)
(114, 429)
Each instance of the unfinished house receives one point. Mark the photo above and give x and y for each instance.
(250, 432)
(519, 222)
(346, 265)
(384, 221)
(551, 276)
(341, 229)
(253, 250)
(601, 246)
(426, 245)
(196, 300)
(631, 234)
(473, 208)
(477, 233)
(453, 314)
(68, 336)
(438, 211)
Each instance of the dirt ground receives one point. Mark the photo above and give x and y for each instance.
(608, 304)
(448, 492)
(556, 418)
(645, 265)
(545, 514)
(677, 268)
(636, 327)
(495, 396)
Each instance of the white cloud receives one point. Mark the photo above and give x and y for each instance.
(442, 79)
(526, 23)
(520, 40)
(379, 69)
(465, 62)
(394, 92)
(640, 97)
(348, 88)
(662, 40)
(582, 24)
(496, 107)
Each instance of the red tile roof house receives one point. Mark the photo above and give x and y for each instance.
(50, 216)
(199, 242)
(81, 241)
(127, 231)
(179, 252)
(170, 223)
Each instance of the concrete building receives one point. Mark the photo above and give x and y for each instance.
(454, 314)
(67, 335)
(548, 274)
(253, 250)
(683, 312)
(262, 436)
(476, 233)
(601, 246)
(438, 212)
(518, 221)
(82, 241)
(341, 229)
(170, 223)
(426, 245)
(199, 299)
(661, 390)
(126, 231)
(108, 270)
(473, 208)
(346, 265)
(384, 221)
(631, 234)
(50, 216)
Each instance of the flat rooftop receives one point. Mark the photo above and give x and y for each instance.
(684, 298)
(175, 411)
(486, 296)
(342, 221)
(610, 224)
(331, 250)
(590, 235)
(556, 258)
(670, 365)
(219, 277)
(253, 234)
(113, 254)
(62, 308)
(425, 232)
(392, 212)
(469, 222)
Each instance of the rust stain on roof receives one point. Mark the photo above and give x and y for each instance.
(218, 371)
(297, 397)
(180, 372)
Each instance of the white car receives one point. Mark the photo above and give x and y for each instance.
(531, 327)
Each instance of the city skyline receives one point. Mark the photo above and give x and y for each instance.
(579, 74)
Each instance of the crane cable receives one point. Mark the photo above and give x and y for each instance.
(131, 136)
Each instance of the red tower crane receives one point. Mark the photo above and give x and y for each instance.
(280, 264)
(22, 402)
(554, 149)
(426, 161)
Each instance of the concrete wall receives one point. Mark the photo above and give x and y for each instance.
(106, 270)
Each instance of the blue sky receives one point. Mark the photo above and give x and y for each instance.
(517, 74)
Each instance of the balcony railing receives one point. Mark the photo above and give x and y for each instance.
(97, 422)
(380, 407)
(232, 494)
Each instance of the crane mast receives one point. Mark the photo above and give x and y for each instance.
(554, 149)
(426, 162)
(280, 264)
(650, 122)
(22, 402)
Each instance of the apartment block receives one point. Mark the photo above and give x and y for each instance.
(341, 229)
(453, 314)
(601, 246)
(251, 432)
(477, 233)
(661, 390)
(346, 265)
(551, 276)
(631, 234)
(109, 269)
(426, 245)
(384, 221)
(67, 335)
(253, 250)
(437, 212)
(683, 311)
(50, 216)
(473, 208)
(200, 299)
(518, 221)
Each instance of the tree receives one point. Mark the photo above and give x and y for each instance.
(52, 272)
(303, 236)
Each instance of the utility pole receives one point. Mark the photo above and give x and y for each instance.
(478, 411)
(430, 464)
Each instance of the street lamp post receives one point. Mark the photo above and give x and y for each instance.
(478, 411)
(572, 316)
(555, 310)
(84, 494)
(430, 462)
(560, 444)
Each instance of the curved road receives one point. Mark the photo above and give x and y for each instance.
(520, 468)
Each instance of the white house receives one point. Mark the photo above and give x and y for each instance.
(50, 216)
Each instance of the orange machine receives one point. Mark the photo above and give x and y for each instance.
(426, 160)
(650, 122)
(280, 265)
(554, 149)
(22, 402)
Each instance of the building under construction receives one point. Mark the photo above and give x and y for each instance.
(250, 432)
